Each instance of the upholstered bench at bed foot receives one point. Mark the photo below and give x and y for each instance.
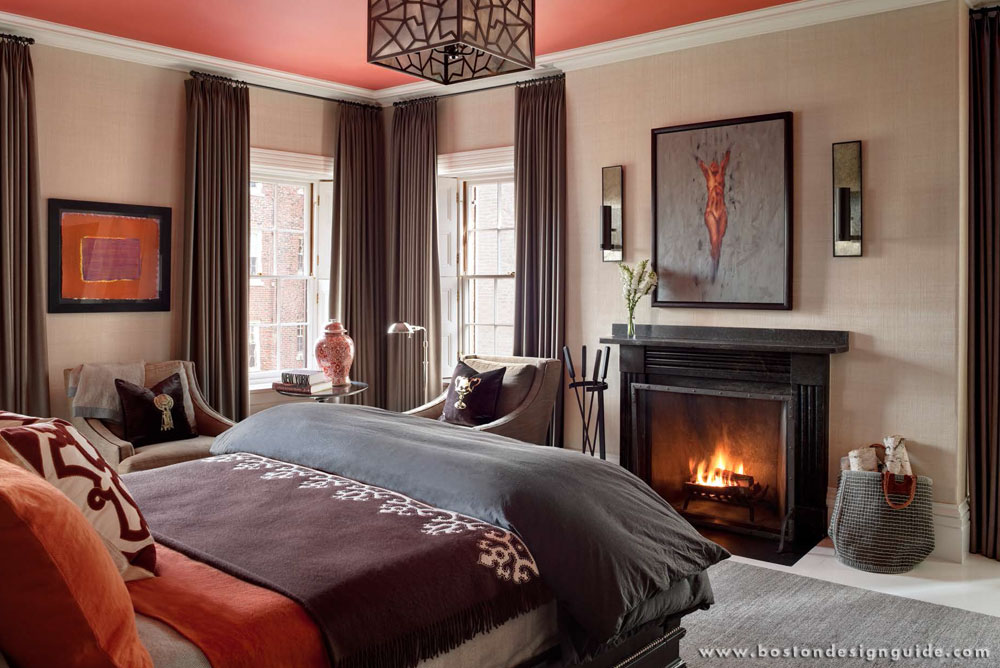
(165, 454)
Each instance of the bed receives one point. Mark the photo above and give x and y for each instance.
(350, 536)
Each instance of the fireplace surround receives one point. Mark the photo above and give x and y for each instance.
(730, 425)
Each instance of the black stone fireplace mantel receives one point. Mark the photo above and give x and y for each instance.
(789, 366)
(801, 341)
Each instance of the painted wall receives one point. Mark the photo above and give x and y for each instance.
(476, 120)
(110, 131)
(114, 131)
(893, 80)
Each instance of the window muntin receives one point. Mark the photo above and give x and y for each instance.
(486, 285)
(282, 289)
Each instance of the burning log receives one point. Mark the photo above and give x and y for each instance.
(738, 489)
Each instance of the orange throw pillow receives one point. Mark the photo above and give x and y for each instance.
(64, 602)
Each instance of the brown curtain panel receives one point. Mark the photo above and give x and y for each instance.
(216, 243)
(359, 293)
(414, 281)
(540, 184)
(984, 281)
(24, 366)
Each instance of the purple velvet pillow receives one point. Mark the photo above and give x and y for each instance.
(155, 414)
(478, 404)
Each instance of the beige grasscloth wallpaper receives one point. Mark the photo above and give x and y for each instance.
(114, 131)
(109, 131)
(892, 80)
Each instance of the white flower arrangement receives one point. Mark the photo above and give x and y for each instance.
(637, 282)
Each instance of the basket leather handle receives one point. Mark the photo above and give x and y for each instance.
(890, 486)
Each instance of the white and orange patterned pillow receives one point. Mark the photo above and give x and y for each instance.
(56, 451)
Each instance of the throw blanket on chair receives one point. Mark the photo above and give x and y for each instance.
(389, 581)
(92, 388)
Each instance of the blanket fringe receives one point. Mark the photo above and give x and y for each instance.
(447, 634)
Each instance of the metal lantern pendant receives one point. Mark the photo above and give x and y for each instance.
(447, 41)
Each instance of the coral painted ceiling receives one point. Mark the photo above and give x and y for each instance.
(326, 39)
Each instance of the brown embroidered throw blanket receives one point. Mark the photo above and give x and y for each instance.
(389, 581)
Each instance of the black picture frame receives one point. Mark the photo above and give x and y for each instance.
(785, 303)
(60, 304)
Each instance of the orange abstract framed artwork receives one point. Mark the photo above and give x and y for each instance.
(108, 257)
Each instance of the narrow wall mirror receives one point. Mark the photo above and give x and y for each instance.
(847, 199)
(613, 213)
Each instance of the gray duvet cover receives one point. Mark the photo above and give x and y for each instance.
(606, 544)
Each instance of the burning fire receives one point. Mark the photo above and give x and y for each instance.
(717, 473)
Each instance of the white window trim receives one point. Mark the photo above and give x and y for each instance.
(265, 378)
(470, 166)
(294, 168)
(465, 327)
(481, 163)
(256, 329)
(270, 164)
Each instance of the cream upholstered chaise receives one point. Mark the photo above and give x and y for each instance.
(528, 395)
(121, 454)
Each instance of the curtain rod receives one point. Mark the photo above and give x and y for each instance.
(415, 100)
(560, 75)
(523, 82)
(289, 92)
(984, 9)
(18, 38)
(219, 78)
(205, 75)
(244, 84)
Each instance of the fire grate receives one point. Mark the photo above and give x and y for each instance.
(738, 489)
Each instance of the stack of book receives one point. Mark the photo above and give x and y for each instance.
(303, 381)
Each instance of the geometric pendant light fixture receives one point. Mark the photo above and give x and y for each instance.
(452, 40)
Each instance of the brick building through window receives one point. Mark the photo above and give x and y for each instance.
(477, 248)
(282, 287)
(487, 268)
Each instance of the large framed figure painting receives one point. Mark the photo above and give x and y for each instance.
(108, 257)
(722, 213)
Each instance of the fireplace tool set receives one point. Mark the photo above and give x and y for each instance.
(593, 421)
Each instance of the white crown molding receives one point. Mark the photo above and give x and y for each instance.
(737, 26)
(788, 16)
(482, 162)
(120, 48)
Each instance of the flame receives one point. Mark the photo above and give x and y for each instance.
(716, 472)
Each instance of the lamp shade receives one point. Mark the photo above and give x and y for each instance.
(452, 40)
(403, 328)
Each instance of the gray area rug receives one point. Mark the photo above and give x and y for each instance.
(796, 615)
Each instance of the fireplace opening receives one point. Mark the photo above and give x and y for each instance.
(719, 457)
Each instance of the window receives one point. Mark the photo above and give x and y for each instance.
(254, 347)
(477, 249)
(283, 292)
(486, 285)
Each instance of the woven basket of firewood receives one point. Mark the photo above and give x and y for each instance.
(882, 522)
